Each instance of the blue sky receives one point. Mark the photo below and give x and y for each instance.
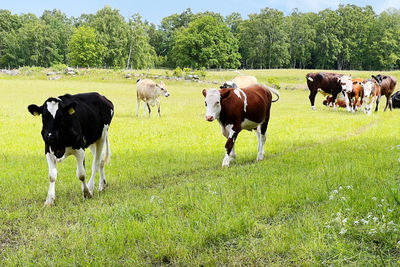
(155, 10)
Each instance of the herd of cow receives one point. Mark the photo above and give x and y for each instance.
(356, 92)
(72, 123)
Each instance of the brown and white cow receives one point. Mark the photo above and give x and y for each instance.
(237, 109)
(371, 92)
(356, 93)
(149, 92)
(327, 82)
(240, 82)
(340, 101)
(387, 84)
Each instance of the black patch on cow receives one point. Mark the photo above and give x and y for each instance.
(396, 100)
(78, 122)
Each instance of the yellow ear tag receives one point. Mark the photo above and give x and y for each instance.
(71, 111)
(36, 113)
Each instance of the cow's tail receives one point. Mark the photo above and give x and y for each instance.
(272, 90)
(107, 148)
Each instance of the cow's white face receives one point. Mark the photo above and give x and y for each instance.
(346, 83)
(162, 89)
(213, 104)
(367, 88)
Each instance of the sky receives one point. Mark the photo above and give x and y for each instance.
(155, 10)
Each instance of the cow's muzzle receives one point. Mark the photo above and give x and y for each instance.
(166, 94)
(209, 118)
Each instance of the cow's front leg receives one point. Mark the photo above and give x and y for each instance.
(233, 133)
(334, 99)
(348, 102)
(225, 132)
(158, 108)
(51, 195)
(81, 172)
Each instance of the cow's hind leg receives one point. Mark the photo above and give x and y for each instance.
(81, 173)
(51, 195)
(388, 103)
(262, 137)
(104, 159)
(158, 108)
(96, 149)
(148, 106)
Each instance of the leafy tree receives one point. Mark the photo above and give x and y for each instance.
(263, 40)
(301, 36)
(206, 42)
(84, 49)
(112, 31)
(141, 53)
(329, 29)
(233, 21)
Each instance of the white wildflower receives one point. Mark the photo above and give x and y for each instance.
(343, 198)
(389, 210)
(335, 191)
(344, 220)
(348, 187)
(375, 219)
(364, 221)
(340, 188)
(331, 197)
(342, 231)
(390, 223)
(380, 205)
(382, 200)
(356, 222)
(372, 231)
(374, 198)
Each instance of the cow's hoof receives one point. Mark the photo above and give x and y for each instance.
(260, 157)
(87, 194)
(313, 107)
(225, 165)
(48, 203)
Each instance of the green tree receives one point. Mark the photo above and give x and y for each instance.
(112, 31)
(329, 29)
(263, 40)
(301, 38)
(141, 53)
(84, 49)
(206, 42)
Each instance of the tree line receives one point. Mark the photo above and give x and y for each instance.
(350, 37)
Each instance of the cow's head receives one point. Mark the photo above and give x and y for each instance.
(379, 78)
(346, 83)
(229, 84)
(57, 121)
(213, 102)
(162, 89)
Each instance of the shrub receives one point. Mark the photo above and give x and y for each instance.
(178, 72)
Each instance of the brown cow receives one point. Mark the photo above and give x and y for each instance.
(339, 101)
(237, 109)
(327, 82)
(356, 93)
(387, 84)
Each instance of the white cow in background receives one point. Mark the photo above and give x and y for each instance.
(149, 92)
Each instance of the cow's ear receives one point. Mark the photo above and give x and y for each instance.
(71, 107)
(224, 93)
(374, 77)
(35, 110)
(204, 92)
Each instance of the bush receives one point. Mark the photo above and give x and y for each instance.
(187, 70)
(58, 67)
(201, 72)
(178, 72)
(274, 83)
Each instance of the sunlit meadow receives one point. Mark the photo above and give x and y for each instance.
(327, 192)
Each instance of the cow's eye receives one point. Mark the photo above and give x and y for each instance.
(217, 103)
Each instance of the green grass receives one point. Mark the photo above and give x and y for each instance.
(169, 201)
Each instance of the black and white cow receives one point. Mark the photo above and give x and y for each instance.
(72, 123)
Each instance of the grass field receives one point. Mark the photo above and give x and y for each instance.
(326, 194)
